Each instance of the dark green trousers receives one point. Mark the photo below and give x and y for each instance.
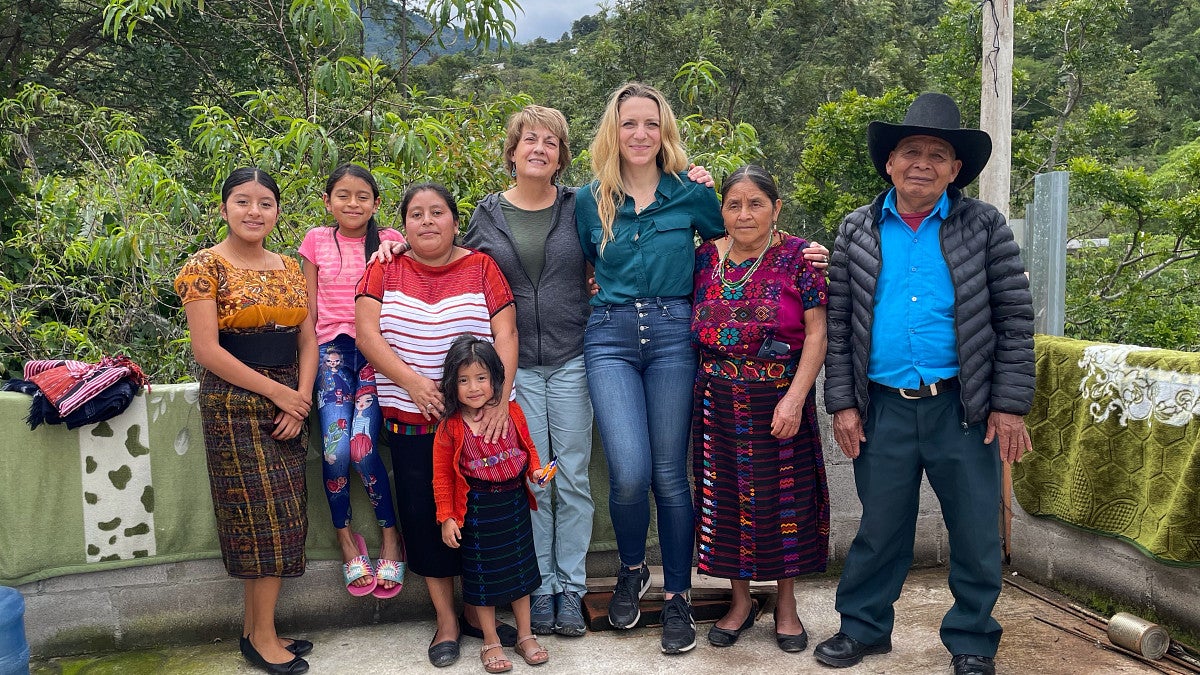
(904, 439)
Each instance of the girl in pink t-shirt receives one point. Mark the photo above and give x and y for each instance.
(334, 260)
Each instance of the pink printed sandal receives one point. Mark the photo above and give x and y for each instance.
(357, 568)
(389, 570)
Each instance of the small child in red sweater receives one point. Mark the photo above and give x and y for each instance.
(483, 500)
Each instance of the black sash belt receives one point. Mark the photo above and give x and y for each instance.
(480, 485)
(265, 349)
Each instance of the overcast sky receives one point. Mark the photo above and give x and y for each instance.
(550, 18)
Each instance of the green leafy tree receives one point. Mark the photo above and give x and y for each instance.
(836, 174)
(1083, 95)
(1142, 287)
(1171, 61)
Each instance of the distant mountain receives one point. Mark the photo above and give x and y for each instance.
(382, 34)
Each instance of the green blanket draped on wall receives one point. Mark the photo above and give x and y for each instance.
(134, 491)
(1116, 445)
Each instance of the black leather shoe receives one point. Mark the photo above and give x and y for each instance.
(969, 664)
(294, 667)
(506, 633)
(792, 643)
(726, 637)
(299, 647)
(444, 653)
(843, 651)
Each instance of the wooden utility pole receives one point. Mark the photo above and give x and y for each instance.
(995, 117)
(995, 101)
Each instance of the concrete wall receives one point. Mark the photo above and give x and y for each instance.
(1048, 552)
(196, 601)
(186, 603)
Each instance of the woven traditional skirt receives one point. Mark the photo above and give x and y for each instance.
(257, 482)
(498, 561)
(762, 505)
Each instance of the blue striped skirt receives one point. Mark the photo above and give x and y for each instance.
(498, 560)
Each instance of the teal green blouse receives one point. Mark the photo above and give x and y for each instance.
(653, 252)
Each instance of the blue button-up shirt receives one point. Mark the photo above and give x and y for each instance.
(653, 252)
(912, 337)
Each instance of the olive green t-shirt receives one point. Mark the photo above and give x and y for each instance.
(529, 231)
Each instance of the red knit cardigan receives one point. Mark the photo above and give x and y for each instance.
(449, 484)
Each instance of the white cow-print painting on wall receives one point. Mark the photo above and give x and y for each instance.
(118, 495)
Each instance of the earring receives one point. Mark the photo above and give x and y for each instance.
(514, 171)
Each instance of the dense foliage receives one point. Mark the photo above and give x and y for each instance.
(118, 121)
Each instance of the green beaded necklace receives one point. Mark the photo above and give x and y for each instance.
(719, 273)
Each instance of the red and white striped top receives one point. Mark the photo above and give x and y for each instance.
(424, 309)
(340, 263)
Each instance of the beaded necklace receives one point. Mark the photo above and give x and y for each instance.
(719, 273)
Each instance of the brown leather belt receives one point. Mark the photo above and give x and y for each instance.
(925, 391)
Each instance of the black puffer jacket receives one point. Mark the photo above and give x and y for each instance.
(993, 310)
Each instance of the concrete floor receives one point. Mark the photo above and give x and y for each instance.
(1029, 647)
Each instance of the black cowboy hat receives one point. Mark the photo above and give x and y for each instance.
(934, 115)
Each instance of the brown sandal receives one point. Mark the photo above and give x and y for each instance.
(494, 664)
(535, 658)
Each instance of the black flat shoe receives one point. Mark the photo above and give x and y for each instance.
(299, 647)
(843, 651)
(725, 637)
(294, 667)
(506, 633)
(792, 643)
(444, 653)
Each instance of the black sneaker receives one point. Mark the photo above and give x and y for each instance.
(679, 628)
(623, 610)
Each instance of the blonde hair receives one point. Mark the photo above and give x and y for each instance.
(609, 190)
(533, 117)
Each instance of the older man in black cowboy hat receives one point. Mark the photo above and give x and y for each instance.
(930, 368)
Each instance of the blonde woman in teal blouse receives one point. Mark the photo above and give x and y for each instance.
(636, 224)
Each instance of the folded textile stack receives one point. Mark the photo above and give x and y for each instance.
(76, 393)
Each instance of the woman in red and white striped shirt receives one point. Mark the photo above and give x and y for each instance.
(407, 314)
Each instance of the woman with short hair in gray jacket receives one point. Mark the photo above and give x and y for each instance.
(529, 230)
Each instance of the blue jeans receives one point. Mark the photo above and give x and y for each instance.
(348, 407)
(640, 369)
(559, 412)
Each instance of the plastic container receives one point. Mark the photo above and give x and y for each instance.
(14, 650)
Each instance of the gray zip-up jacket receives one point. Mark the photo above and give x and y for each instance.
(552, 316)
(993, 309)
